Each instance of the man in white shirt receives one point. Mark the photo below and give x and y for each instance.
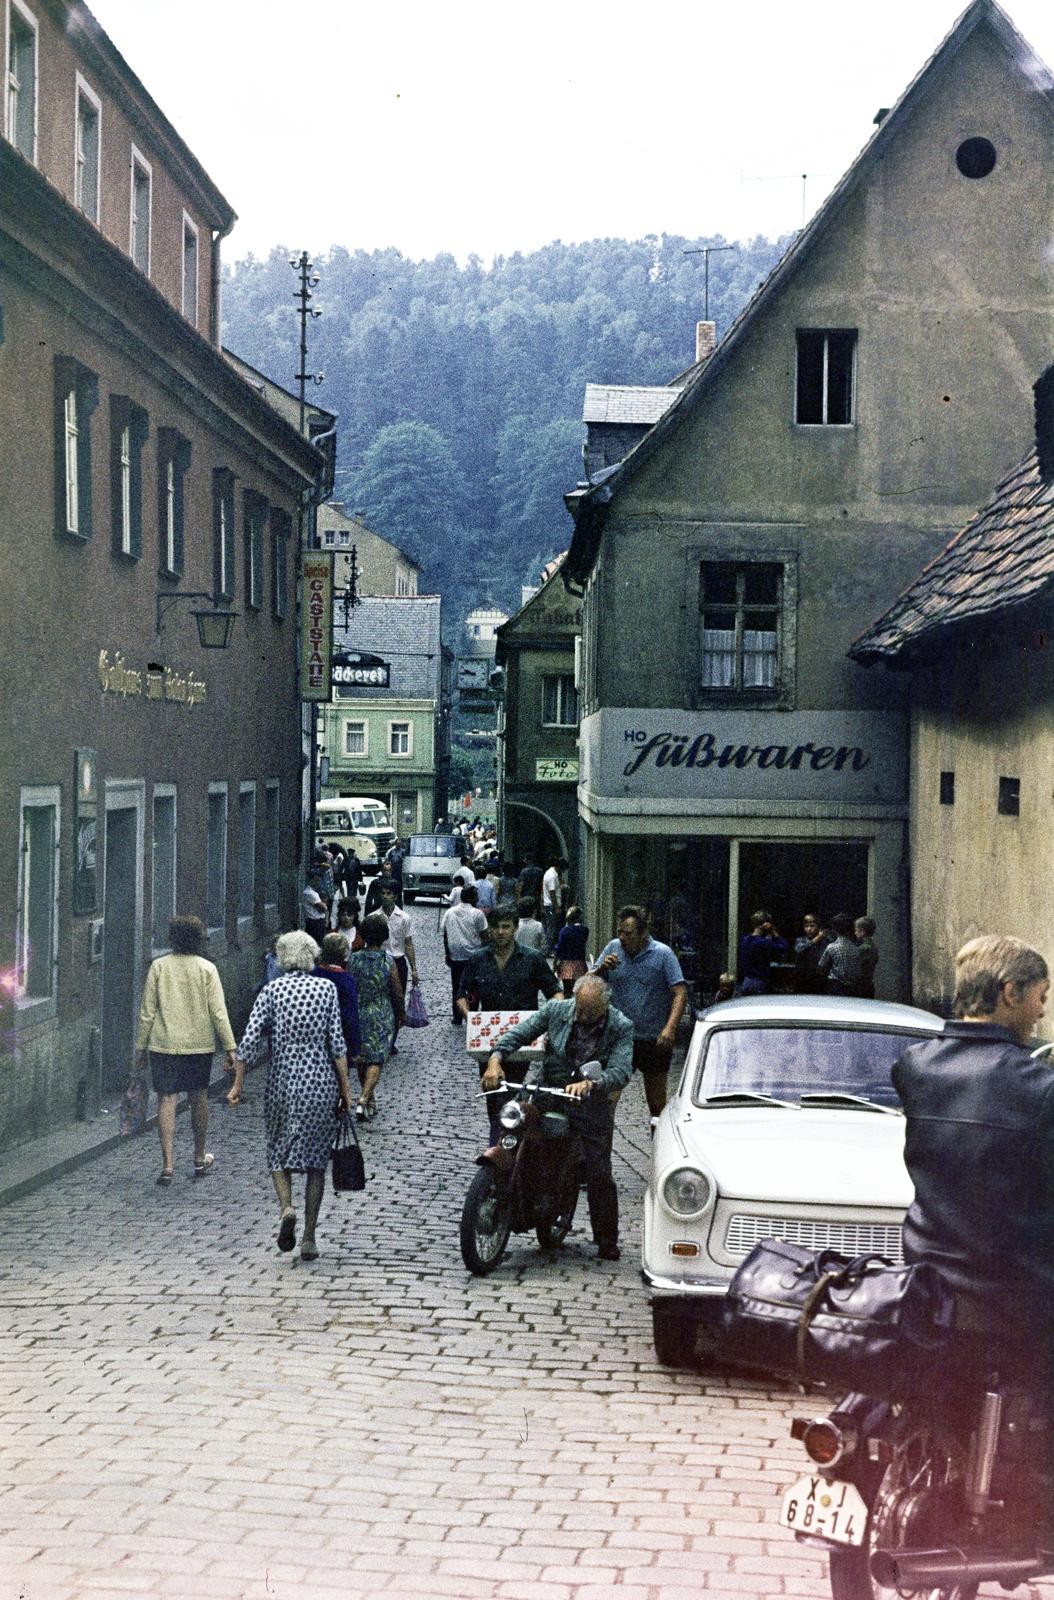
(398, 944)
(552, 900)
(530, 933)
(315, 909)
(463, 927)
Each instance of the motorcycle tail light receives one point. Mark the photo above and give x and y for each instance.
(826, 1443)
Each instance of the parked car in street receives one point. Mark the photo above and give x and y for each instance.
(429, 865)
(784, 1124)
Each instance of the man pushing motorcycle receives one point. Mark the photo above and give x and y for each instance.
(584, 1028)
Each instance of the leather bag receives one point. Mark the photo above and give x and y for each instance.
(853, 1322)
(349, 1169)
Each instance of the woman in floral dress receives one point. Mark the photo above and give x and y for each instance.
(299, 1017)
(380, 1007)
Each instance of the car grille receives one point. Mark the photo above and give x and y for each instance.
(851, 1238)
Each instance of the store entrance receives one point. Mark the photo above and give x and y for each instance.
(118, 973)
(789, 879)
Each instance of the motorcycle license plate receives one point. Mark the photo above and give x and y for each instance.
(834, 1511)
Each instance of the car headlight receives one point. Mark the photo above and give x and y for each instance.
(686, 1192)
(512, 1115)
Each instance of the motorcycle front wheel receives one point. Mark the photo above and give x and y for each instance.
(486, 1221)
(898, 1519)
(553, 1230)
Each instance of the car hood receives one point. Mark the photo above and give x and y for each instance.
(805, 1157)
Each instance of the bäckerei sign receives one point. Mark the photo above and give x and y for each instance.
(832, 756)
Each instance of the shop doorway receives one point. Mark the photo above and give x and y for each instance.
(789, 878)
(406, 815)
(122, 902)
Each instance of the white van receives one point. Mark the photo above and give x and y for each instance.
(360, 825)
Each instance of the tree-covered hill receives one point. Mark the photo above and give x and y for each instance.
(459, 388)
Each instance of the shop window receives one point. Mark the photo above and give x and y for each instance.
(356, 739)
(255, 515)
(559, 700)
(246, 852)
(1009, 803)
(223, 534)
(400, 739)
(76, 397)
(36, 951)
(173, 462)
(22, 80)
(163, 877)
(139, 222)
(741, 604)
(87, 163)
(129, 427)
(281, 530)
(271, 843)
(826, 376)
(947, 788)
(190, 270)
(216, 915)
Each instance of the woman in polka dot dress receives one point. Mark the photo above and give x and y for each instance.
(299, 1017)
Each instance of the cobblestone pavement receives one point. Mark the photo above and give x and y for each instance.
(186, 1412)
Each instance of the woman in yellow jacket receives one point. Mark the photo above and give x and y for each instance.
(182, 1021)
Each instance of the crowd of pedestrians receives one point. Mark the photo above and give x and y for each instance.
(838, 957)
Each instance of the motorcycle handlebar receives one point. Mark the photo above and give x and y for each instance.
(536, 1088)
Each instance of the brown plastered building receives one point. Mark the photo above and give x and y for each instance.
(139, 774)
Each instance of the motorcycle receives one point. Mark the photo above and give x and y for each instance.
(922, 1499)
(530, 1178)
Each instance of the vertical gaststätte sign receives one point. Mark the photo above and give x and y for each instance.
(316, 645)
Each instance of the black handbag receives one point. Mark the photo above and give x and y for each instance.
(349, 1169)
(854, 1322)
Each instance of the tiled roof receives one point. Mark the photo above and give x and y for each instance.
(403, 630)
(1002, 558)
(619, 402)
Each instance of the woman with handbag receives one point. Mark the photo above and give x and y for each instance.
(298, 1015)
(381, 1012)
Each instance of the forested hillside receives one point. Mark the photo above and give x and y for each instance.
(459, 389)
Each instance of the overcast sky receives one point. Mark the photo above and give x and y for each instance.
(482, 126)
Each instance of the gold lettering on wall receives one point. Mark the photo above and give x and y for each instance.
(157, 683)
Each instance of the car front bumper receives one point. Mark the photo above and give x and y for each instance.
(702, 1289)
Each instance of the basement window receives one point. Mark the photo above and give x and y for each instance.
(826, 377)
(1009, 797)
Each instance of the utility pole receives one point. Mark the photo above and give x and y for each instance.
(308, 280)
(706, 252)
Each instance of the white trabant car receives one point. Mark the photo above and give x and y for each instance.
(784, 1125)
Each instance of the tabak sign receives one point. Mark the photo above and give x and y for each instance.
(316, 645)
(839, 756)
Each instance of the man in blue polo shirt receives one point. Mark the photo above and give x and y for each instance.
(647, 985)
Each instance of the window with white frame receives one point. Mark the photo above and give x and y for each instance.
(223, 533)
(400, 739)
(87, 161)
(22, 79)
(246, 851)
(826, 377)
(36, 948)
(139, 223)
(356, 738)
(76, 397)
(163, 877)
(173, 462)
(740, 603)
(559, 700)
(190, 270)
(216, 874)
(271, 840)
(255, 514)
(128, 432)
(281, 532)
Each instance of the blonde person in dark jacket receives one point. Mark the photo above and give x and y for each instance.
(182, 1022)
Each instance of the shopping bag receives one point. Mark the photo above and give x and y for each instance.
(416, 1010)
(133, 1107)
(349, 1169)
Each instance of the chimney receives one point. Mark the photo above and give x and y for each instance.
(705, 340)
(1043, 390)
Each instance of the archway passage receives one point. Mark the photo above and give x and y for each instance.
(531, 835)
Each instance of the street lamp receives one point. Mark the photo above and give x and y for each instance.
(215, 626)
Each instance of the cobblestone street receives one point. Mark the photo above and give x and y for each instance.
(186, 1412)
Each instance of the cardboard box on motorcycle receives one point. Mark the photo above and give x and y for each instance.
(485, 1028)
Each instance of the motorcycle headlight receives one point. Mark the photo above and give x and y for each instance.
(686, 1192)
(512, 1115)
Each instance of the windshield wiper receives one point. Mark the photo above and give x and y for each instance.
(745, 1097)
(837, 1097)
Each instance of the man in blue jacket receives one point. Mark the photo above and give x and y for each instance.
(584, 1028)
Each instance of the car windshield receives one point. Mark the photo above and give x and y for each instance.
(787, 1063)
(433, 844)
(369, 819)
